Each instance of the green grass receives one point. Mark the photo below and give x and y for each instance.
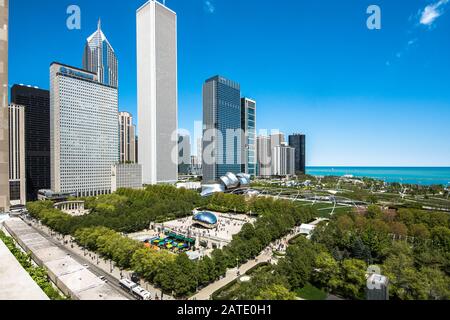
(309, 292)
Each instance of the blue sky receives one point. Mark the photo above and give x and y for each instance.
(363, 97)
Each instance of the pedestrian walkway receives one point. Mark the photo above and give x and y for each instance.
(233, 274)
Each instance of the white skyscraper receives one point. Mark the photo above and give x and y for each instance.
(17, 185)
(283, 163)
(264, 150)
(84, 131)
(127, 139)
(157, 92)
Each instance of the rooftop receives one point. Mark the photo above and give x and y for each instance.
(16, 283)
(81, 283)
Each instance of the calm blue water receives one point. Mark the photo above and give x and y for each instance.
(422, 176)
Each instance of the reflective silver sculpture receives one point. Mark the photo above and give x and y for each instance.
(228, 182)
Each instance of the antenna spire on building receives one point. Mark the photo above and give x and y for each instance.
(99, 25)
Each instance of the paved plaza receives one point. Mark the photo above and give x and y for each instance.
(218, 237)
(228, 226)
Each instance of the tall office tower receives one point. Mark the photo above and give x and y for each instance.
(17, 189)
(264, 158)
(37, 137)
(196, 166)
(277, 139)
(84, 130)
(157, 92)
(136, 148)
(248, 119)
(298, 141)
(4, 152)
(200, 150)
(222, 133)
(99, 58)
(184, 154)
(283, 160)
(127, 138)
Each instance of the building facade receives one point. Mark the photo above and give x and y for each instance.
(84, 131)
(377, 287)
(157, 92)
(17, 186)
(37, 136)
(126, 175)
(277, 139)
(4, 152)
(99, 58)
(196, 166)
(200, 150)
(264, 158)
(249, 144)
(184, 154)
(127, 138)
(283, 160)
(222, 134)
(298, 141)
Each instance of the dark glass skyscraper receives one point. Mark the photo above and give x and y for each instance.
(37, 136)
(298, 141)
(222, 128)
(99, 57)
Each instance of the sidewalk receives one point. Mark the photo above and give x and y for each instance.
(232, 274)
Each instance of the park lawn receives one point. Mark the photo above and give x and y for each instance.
(309, 292)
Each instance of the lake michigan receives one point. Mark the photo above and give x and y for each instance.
(407, 175)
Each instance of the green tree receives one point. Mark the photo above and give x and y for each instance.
(298, 264)
(441, 237)
(438, 283)
(327, 271)
(276, 292)
(374, 212)
(353, 278)
(419, 231)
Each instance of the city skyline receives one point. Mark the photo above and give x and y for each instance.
(352, 104)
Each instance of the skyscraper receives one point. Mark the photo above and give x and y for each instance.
(248, 119)
(157, 92)
(184, 153)
(127, 138)
(4, 152)
(37, 136)
(298, 141)
(99, 58)
(222, 133)
(84, 130)
(277, 139)
(17, 186)
(264, 151)
(199, 151)
(283, 158)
